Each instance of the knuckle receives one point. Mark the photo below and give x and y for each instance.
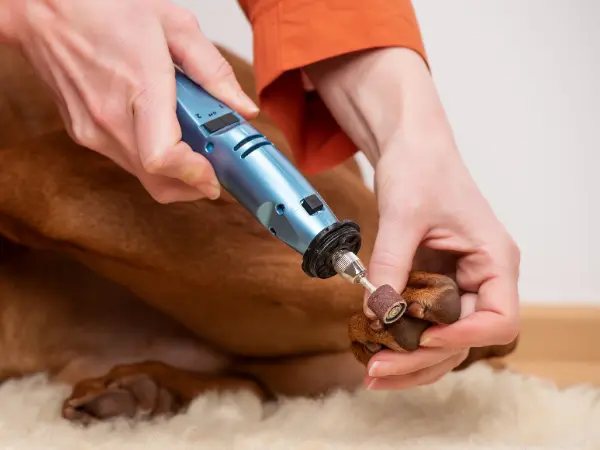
(40, 15)
(161, 196)
(141, 99)
(221, 70)
(98, 116)
(410, 208)
(154, 165)
(504, 255)
(386, 260)
(187, 20)
(433, 380)
(508, 334)
(83, 133)
(514, 251)
(460, 358)
(102, 117)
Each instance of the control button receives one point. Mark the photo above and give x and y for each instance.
(217, 124)
(214, 125)
(312, 204)
(229, 119)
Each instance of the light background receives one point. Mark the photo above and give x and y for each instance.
(520, 80)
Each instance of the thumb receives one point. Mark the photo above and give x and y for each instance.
(160, 149)
(203, 62)
(395, 246)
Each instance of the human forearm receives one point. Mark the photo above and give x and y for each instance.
(297, 34)
(380, 97)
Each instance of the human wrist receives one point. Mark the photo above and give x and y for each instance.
(379, 96)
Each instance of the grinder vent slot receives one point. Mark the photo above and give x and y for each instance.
(254, 147)
(246, 140)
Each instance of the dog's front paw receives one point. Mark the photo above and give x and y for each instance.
(367, 338)
(431, 299)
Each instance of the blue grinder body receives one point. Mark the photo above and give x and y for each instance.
(262, 179)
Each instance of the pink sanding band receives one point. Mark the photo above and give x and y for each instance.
(384, 302)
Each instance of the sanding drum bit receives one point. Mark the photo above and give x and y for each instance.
(384, 301)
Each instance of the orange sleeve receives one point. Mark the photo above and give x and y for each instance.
(291, 34)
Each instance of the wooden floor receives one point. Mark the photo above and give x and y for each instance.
(560, 344)
(563, 373)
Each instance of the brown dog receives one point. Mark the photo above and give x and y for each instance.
(142, 306)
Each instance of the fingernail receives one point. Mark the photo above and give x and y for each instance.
(432, 342)
(380, 369)
(188, 177)
(248, 103)
(230, 90)
(212, 191)
(371, 385)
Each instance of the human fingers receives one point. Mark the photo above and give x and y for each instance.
(495, 320)
(202, 61)
(388, 363)
(421, 377)
(397, 240)
(161, 151)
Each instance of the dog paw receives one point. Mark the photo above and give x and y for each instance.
(431, 299)
(135, 395)
(147, 390)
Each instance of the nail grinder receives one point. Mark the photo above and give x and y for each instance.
(266, 183)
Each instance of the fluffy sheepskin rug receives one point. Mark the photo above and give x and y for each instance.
(475, 409)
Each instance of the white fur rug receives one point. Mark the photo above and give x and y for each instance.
(476, 409)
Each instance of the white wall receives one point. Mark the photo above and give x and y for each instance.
(521, 83)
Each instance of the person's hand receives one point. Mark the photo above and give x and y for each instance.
(426, 198)
(110, 64)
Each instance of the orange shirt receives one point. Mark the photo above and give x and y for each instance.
(291, 34)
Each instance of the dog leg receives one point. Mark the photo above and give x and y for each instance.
(58, 317)
(146, 390)
(27, 108)
(306, 375)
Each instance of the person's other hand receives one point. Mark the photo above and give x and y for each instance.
(387, 103)
(110, 65)
(427, 198)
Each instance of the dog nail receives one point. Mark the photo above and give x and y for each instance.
(376, 325)
(248, 103)
(212, 191)
(373, 347)
(368, 312)
(416, 310)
